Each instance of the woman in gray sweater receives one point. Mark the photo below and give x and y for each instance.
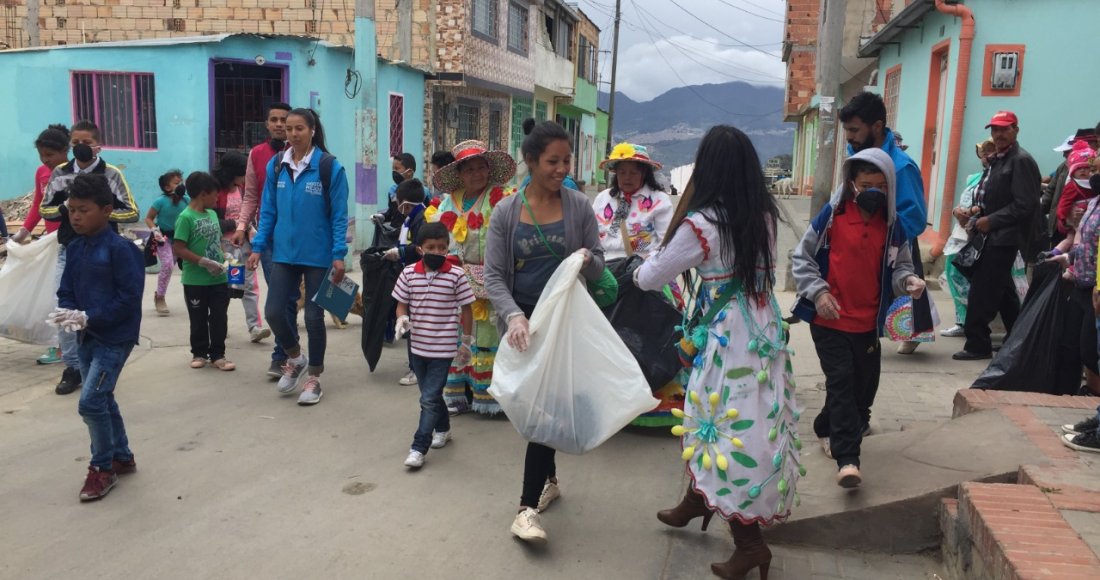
(529, 236)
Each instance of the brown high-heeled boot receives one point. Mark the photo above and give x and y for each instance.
(750, 552)
(691, 507)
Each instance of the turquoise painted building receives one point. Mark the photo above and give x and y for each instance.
(1022, 60)
(182, 102)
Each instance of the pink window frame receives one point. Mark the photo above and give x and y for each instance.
(396, 148)
(95, 103)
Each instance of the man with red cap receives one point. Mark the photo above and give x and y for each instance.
(1004, 214)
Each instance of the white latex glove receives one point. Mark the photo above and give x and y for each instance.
(378, 218)
(58, 316)
(75, 320)
(158, 237)
(212, 266)
(914, 286)
(391, 254)
(519, 332)
(20, 236)
(465, 351)
(584, 253)
(403, 325)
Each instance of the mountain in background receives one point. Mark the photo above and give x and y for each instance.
(672, 124)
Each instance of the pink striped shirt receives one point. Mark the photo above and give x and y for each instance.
(434, 300)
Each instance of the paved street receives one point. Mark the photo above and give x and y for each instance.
(235, 481)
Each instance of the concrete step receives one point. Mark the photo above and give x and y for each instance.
(906, 475)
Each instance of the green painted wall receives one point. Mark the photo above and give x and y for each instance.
(585, 96)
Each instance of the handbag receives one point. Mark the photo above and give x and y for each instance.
(966, 260)
(475, 275)
(603, 290)
(696, 328)
(149, 252)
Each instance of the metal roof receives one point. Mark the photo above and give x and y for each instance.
(157, 42)
(906, 19)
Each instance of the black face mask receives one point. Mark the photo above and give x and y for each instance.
(871, 200)
(83, 153)
(1094, 182)
(398, 178)
(434, 261)
(278, 144)
(181, 190)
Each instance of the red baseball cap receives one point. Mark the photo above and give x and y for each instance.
(1003, 119)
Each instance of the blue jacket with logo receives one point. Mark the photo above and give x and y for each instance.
(296, 222)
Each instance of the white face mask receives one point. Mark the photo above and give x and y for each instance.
(1082, 183)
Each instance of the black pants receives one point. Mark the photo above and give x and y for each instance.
(991, 291)
(851, 363)
(539, 464)
(208, 309)
(1082, 297)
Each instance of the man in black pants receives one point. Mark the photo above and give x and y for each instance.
(1006, 205)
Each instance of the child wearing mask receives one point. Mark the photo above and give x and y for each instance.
(101, 288)
(197, 242)
(1077, 191)
(848, 264)
(430, 295)
(161, 219)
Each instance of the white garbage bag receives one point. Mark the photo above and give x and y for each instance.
(577, 384)
(27, 291)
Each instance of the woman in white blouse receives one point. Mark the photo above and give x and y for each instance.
(634, 205)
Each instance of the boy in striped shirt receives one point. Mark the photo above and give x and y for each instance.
(433, 298)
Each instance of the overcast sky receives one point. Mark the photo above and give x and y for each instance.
(662, 46)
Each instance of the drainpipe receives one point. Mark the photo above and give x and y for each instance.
(958, 110)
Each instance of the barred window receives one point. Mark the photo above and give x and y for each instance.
(484, 18)
(517, 28)
(123, 105)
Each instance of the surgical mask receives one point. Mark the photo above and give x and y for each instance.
(1084, 183)
(1094, 182)
(871, 200)
(434, 261)
(83, 153)
(398, 178)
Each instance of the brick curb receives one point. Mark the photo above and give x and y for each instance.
(973, 400)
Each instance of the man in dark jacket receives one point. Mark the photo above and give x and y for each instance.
(1006, 206)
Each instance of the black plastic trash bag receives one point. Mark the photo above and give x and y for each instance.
(379, 278)
(1041, 354)
(646, 323)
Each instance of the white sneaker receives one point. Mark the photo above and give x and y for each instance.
(550, 492)
(849, 477)
(415, 459)
(311, 393)
(257, 334)
(292, 372)
(408, 380)
(439, 440)
(953, 332)
(528, 527)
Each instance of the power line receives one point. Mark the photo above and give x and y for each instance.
(693, 37)
(736, 7)
(719, 31)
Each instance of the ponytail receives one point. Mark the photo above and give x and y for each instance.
(313, 121)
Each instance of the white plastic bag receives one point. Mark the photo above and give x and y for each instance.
(28, 282)
(577, 384)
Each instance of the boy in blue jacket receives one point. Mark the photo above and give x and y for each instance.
(100, 297)
(852, 258)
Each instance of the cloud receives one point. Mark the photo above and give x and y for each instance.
(648, 69)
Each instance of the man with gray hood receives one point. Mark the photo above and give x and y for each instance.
(851, 261)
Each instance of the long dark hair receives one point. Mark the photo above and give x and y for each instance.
(55, 138)
(230, 166)
(728, 181)
(313, 121)
(650, 179)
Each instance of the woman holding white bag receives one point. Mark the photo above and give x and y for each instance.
(529, 236)
(739, 433)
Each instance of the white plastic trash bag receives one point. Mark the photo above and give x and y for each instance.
(577, 384)
(28, 282)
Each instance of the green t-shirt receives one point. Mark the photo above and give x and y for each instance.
(202, 233)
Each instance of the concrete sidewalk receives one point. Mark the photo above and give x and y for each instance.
(236, 481)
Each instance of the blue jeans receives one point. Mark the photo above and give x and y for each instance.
(282, 289)
(431, 377)
(279, 353)
(66, 340)
(100, 365)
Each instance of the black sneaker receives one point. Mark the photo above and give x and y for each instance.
(1083, 442)
(70, 381)
(1089, 425)
(275, 371)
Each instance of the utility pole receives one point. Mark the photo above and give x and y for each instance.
(829, 51)
(366, 125)
(614, 70)
(30, 25)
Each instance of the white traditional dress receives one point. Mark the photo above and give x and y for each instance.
(740, 438)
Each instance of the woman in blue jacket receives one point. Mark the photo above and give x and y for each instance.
(304, 221)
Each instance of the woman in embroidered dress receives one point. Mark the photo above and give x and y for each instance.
(739, 432)
(473, 186)
(636, 204)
